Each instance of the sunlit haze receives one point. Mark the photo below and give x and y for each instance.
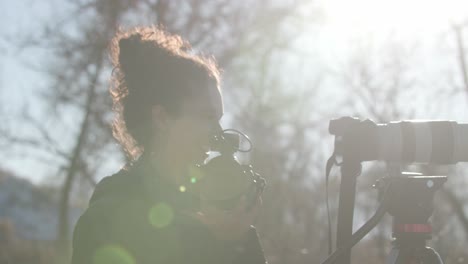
(404, 16)
(330, 41)
(288, 71)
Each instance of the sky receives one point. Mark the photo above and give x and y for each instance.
(345, 21)
(424, 24)
(18, 81)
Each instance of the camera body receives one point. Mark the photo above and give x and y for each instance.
(225, 180)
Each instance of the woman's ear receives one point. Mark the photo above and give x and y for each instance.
(160, 117)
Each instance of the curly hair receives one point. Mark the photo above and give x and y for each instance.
(152, 66)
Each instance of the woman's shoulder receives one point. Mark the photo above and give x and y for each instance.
(116, 215)
(118, 194)
(116, 186)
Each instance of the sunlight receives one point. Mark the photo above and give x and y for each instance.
(405, 16)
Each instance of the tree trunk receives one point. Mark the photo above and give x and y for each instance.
(457, 207)
(461, 57)
(73, 168)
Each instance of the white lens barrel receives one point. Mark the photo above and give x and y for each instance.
(461, 142)
(439, 142)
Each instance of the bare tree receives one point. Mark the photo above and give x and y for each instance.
(277, 106)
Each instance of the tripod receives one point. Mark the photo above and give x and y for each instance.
(408, 198)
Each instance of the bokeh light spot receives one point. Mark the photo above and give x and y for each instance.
(182, 188)
(112, 254)
(195, 174)
(161, 215)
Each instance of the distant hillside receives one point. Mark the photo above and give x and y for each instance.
(32, 210)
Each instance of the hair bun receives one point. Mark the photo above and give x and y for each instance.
(129, 52)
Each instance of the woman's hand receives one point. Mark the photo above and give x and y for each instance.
(231, 225)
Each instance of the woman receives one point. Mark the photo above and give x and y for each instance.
(168, 105)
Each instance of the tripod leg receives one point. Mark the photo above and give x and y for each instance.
(393, 256)
(402, 256)
(430, 256)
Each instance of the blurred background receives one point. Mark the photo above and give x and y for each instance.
(289, 67)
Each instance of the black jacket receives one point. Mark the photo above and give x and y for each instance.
(136, 218)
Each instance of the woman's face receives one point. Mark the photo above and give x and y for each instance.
(187, 134)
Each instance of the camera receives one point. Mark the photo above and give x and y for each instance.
(225, 180)
(407, 197)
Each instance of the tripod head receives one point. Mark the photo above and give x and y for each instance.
(410, 201)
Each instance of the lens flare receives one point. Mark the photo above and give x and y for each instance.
(182, 188)
(195, 174)
(161, 215)
(112, 254)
